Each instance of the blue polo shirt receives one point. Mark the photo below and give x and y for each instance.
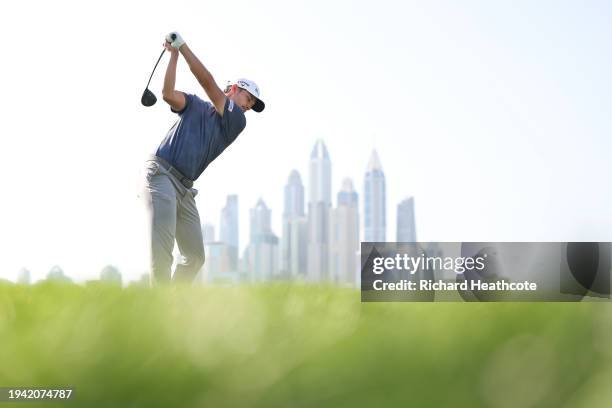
(200, 135)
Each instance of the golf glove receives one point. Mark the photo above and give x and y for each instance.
(175, 40)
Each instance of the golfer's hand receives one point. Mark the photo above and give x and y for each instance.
(175, 39)
(170, 48)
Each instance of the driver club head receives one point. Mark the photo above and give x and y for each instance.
(148, 98)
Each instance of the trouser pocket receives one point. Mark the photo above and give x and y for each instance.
(151, 169)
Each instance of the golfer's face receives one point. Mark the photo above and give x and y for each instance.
(245, 100)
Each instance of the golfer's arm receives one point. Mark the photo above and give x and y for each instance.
(217, 97)
(173, 97)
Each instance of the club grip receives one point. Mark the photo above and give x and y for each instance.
(173, 36)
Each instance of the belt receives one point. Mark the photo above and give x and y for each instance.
(184, 180)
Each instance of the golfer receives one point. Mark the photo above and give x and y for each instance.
(202, 131)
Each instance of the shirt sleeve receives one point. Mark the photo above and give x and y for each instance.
(233, 121)
(189, 101)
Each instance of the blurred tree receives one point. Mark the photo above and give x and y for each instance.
(110, 274)
(57, 274)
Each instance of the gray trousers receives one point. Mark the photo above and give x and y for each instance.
(171, 214)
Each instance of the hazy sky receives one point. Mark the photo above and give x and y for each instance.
(494, 115)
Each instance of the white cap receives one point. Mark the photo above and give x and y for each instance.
(253, 89)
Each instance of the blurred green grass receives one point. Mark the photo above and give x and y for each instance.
(298, 346)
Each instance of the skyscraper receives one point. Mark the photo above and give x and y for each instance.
(294, 196)
(262, 253)
(375, 222)
(344, 236)
(208, 233)
(261, 221)
(406, 228)
(217, 266)
(298, 265)
(228, 229)
(292, 214)
(319, 203)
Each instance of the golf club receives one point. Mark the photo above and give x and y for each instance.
(148, 97)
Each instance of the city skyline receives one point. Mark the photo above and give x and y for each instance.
(295, 186)
(317, 245)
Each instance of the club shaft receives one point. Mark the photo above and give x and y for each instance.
(159, 59)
